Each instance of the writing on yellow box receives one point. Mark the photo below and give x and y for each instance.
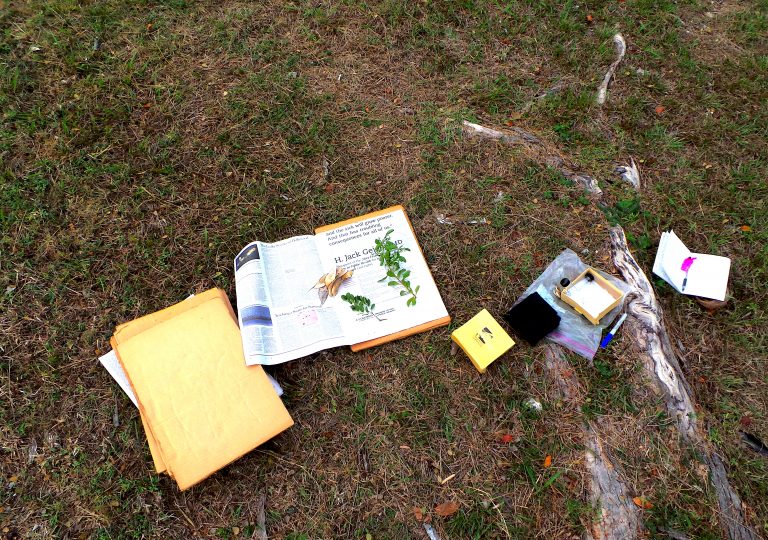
(482, 339)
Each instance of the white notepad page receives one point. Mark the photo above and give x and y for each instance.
(707, 276)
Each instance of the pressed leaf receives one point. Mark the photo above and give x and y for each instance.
(322, 293)
(320, 282)
(334, 288)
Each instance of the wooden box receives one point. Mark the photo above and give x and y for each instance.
(592, 298)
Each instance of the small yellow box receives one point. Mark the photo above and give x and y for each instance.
(482, 339)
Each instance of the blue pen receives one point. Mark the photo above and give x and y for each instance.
(609, 336)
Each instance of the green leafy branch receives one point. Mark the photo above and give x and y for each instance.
(361, 304)
(391, 257)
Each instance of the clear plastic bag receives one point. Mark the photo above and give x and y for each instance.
(575, 332)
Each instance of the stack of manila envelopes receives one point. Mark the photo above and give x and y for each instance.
(200, 405)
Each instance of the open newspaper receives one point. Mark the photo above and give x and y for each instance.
(284, 315)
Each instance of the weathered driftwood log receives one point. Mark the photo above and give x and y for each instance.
(619, 518)
(646, 325)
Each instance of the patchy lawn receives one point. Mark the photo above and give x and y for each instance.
(142, 144)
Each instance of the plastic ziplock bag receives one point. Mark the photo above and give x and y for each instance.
(575, 332)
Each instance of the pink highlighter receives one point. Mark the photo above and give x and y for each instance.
(685, 267)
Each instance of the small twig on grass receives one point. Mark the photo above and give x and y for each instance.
(513, 136)
(621, 49)
(442, 219)
(495, 507)
(185, 516)
(326, 169)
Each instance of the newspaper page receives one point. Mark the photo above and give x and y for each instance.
(281, 317)
(352, 246)
(283, 312)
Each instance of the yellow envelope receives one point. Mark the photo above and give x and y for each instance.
(202, 406)
(127, 330)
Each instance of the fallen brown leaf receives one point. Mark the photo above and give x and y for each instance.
(447, 508)
(642, 502)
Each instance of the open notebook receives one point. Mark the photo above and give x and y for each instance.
(707, 275)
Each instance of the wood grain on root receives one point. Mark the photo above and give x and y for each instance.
(646, 327)
(619, 518)
(567, 383)
(621, 49)
(538, 150)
